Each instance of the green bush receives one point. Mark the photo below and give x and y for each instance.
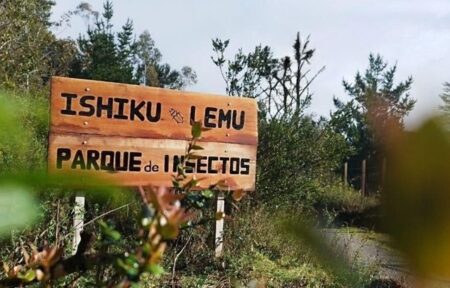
(24, 133)
(296, 156)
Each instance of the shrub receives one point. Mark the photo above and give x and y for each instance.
(296, 156)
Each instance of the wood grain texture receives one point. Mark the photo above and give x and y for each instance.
(154, 150)
(174, 122)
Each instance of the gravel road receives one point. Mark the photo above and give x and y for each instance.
(373, 252)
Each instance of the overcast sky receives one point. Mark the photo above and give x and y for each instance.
(415, 34)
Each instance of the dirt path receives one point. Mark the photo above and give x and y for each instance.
(371, 250)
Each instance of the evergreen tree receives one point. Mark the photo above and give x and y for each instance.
(109, 56)
(376, 102)
(103, 54)
(152, 72)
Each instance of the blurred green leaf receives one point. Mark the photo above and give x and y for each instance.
(416, 199)
(94, 187)
(155, 269)
(196, 147)
(169, 231)
(17, 208)
(196, 131)
(28, 276)
(109, 232)
(207, 193)
(128, 267)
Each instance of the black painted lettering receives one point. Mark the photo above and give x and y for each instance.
(240, 125)
(177, 160)
(150, 116)
(224, 163)
(121, 161)
(90, 109)
(108, 107)
(135, 110)
(201, 163)
(62, 154)
(68, 110)
(234, 165)
(78, 160)
(190, 167)
(107, 160)
(245, 166)
(135, 162)
(211, 167)
(92, 158)
(121, 108)
(166, 163)
(209, 116)
(192, 117)
(224, 117)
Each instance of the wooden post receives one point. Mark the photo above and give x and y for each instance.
(345, 173)
(219, 225)
(363, 178)
(78, 222)
(383, 173)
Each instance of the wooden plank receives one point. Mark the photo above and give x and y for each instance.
(220, 210)
(140, 162)
(363, 177)
(112, 109)
(345, 174)
(78, 222)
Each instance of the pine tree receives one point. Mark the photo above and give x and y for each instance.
(152, 72)
(376, 103)
(109, 56)
(101, 56)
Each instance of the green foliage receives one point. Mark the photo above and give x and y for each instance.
(117, 57)
(262, 250)
(23, 137)
(297, 161)
(29, 52)
(296, 156)
(103, 54)
(375, 101)
(17, 208)
(150, 71)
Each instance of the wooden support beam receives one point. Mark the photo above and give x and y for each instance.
(220, 210)
(345, 174)
(363, 177)
(78, 222)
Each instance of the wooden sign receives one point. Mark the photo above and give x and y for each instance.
(135, 135)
